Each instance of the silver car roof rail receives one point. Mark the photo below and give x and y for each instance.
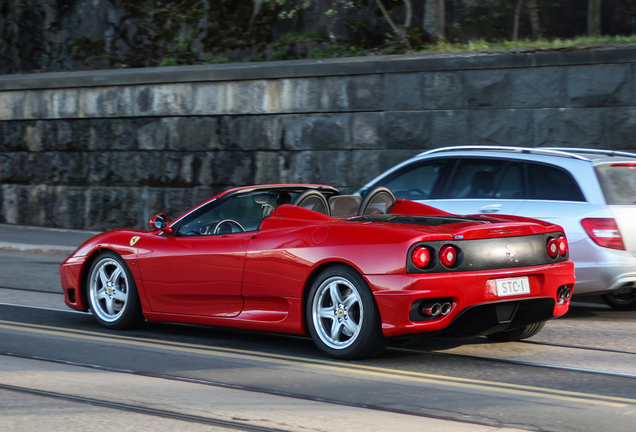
(530, 150)
(595, 151)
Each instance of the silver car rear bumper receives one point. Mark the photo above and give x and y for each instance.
(601, 270)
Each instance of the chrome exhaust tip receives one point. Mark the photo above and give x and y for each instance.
(432, 309)
(563, 294)
(446, 308)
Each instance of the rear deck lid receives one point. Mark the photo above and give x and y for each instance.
(618, 182)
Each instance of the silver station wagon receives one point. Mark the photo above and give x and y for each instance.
(590, 193)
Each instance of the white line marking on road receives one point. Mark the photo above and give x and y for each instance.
(44, 308)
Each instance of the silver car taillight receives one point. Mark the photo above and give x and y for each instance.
(604, 232)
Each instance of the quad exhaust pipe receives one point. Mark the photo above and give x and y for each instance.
(436, 309)
(563, 294)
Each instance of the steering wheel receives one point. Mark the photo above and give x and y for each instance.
(222, 226)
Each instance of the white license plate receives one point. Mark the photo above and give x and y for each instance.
(512, 286)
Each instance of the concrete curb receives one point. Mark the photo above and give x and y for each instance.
(49, 250)
(315, 68)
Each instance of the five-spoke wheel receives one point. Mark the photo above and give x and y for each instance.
(112, 293)
(343, 318)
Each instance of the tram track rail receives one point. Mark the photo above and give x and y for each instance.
(199, 419)
(324, 365)
(140, 409)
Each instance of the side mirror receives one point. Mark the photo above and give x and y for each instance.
(160, 222)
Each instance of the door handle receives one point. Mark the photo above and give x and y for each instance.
(490, 208)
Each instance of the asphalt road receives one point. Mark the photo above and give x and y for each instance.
(578, 374)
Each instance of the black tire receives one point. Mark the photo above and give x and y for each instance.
(517, 334)
(621, 301)
(353, 319)
(112, 293)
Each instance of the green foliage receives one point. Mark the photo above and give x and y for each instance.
(337, 51)
(532, 45)
(209, 58)
(293, 7)
(256, 58)
(85, 48)
(280, 54)
(169, 62)
(293, 38)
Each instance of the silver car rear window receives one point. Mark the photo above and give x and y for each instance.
(618, 181)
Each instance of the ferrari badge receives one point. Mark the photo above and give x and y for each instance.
(134, 240)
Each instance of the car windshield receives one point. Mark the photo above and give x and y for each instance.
(618, 182)
(237, 213)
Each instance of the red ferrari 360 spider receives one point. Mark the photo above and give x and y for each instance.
(349, 271)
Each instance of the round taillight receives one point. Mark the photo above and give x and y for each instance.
(421, 257)
(553, 247)
(448, 255)
(563, 245)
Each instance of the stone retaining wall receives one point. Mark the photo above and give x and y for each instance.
(106, 149)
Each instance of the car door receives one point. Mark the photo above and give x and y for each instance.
(483, 186)
(198, 270)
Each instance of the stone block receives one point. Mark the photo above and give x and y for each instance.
(236, 97)
(37, 104)
(171, 164)
(232, 168)
(267, 167)
(389, 158)
(12, 105)
(365, 166)
(123, 168)
(317, 132)
(368, 130)
(191, 167)
(152, 200)
(98, 167)
(570, 127)
(12, 135)
(250, 133)
(502, 127)
(203, 193)
(14, 167)
(77, 168)
(443, 90)
(33, 136)
(9, 202)
(449, 128)
(65, 103)
(584, 127)
(542, 87)
(163, 100)
(407, 130)
(487, 88)
(267, 97)
(207, 98)
(301, 167)
(405, 91)
(151, 134)
(548, 128)
(599, 85)
(619, 128)
(298, 95)
(365, 92)
(89, 103)
(177, 201)
(334, 94)
(69, 207)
